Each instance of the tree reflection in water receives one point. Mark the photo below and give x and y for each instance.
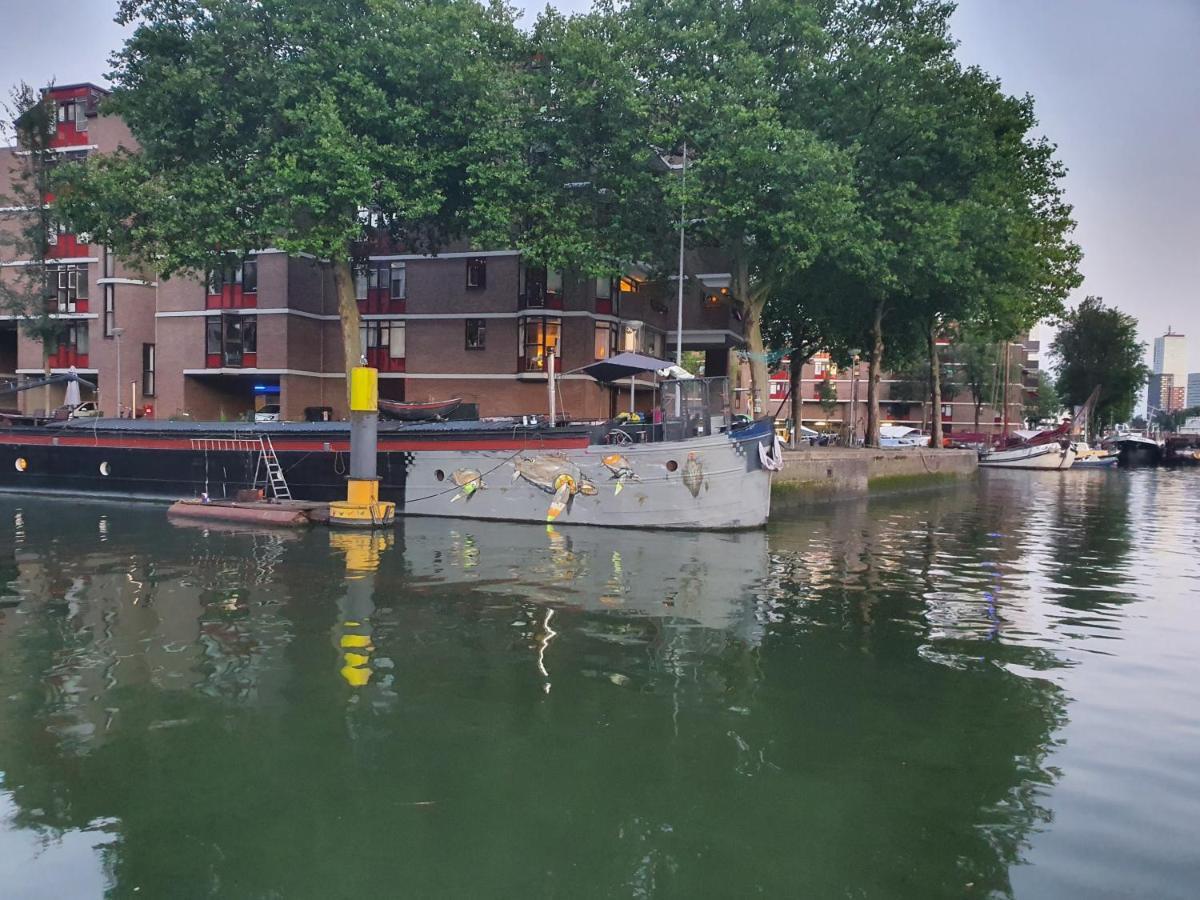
(860, 703)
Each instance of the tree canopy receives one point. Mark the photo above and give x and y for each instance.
(295, 123)
(1098, 345)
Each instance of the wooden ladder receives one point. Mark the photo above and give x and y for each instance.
(279, 485)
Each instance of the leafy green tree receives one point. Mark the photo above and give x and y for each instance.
(1098, 345)
(827, 395)
(305, 125)
(761, 187)
(1171, 422)
(961, 215)
(1045, 404)
(976, 361)
(27, 292)
(594, 199)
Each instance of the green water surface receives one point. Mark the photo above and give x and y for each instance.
(989, 691)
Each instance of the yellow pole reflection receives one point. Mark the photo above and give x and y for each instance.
(362, 550)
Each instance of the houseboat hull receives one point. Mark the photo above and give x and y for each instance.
(462, 470)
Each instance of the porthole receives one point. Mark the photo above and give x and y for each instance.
(672, 466)
(439, 475)
(104, 469)
(21, 464)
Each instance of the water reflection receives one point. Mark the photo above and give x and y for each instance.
(866, 702)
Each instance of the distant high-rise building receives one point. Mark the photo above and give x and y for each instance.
(1169, 374)
(1193, 389)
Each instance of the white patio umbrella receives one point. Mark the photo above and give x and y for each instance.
(72, 397)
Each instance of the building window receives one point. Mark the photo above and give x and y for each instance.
(244, 274)
(476, 334)
(538, 337)
(110, 309)
(947, 411)
(606, 340)
(147, 370)
(230, 338)
(76, 337)
(73, 112)
(381, 342)
(398, 282)
(477, 272)
(70, 284)
(250, 276)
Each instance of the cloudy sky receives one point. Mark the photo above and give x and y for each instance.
(1117, 84)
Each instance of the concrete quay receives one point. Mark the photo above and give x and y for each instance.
(829, 474)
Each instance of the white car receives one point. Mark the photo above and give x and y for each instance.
(269, 413)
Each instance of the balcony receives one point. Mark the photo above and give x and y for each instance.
(536, 296)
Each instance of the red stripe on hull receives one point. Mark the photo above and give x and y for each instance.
(284, 445)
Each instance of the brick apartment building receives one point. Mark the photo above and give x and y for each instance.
(848, 412)
(469, 323)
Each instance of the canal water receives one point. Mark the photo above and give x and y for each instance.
(987, 692)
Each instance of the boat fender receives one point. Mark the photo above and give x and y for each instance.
(772, 460)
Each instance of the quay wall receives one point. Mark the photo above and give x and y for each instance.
(823, 475)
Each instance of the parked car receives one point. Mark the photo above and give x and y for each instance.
(269, 413)
(87, 410)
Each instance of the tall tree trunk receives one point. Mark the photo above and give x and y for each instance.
(873, 376)
(46, 374)
(795, 371)
(935, 381)
(754, 302)
(343, 280)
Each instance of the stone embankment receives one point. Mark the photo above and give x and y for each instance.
(827, 474)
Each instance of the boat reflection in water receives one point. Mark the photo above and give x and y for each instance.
(867, 702)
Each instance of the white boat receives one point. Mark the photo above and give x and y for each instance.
(1031, 456)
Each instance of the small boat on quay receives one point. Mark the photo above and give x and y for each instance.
(428, 411)
(690, 469)
(1045, 456)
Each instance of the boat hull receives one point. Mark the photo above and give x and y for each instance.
(714, 482)
(1046, 457)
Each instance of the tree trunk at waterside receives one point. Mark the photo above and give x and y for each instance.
(873, 377)
(343, 279)
(935, 381)
(795, 370)
(754, 303)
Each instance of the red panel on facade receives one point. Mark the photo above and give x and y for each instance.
(67, 247)
(212, 361)
(604, 306)
(380, 303)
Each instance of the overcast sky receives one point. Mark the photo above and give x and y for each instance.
(1117, 84)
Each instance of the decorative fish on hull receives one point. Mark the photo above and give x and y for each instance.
(555, 475)
(470, 480)
(693, 474)
(621, 470)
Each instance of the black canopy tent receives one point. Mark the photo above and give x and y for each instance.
(624, 365)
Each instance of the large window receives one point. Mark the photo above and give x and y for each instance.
(70, 285)
(147, 370)
(541, 287)
(606, 340)
(382, 335)
(244, 274)
(539, 335)
(390, 277)
(72, 112)
(75, 338)
(230, 338)
(476, 334)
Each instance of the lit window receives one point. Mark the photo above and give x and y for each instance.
(606, 340)
(538, 337)
(147, 370)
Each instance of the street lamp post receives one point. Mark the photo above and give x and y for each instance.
(116, 333)
(682, 226)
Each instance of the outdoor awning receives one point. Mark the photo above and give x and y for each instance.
(624, 365)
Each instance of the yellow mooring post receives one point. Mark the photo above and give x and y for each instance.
(362, 507)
